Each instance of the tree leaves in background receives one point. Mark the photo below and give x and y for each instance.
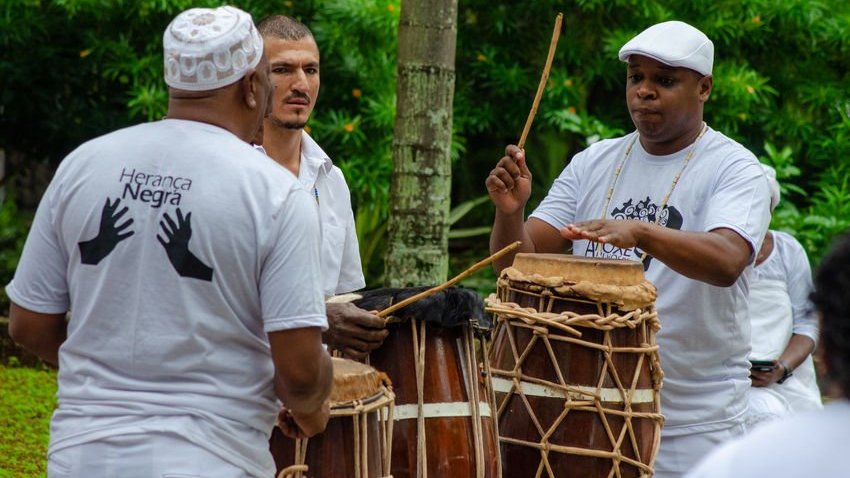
(75, 69)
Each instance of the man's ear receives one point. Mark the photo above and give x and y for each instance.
(706, 84)
(249, 89)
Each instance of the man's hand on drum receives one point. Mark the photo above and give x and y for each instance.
(304, 425)
(509, 183)
(765, 378)
(624, 234)
(353, 331)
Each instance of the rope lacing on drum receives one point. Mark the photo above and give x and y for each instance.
(383, 404)
(544, 325)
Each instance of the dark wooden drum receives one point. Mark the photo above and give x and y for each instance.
(357, 441)
(443, 414)
(575, 368)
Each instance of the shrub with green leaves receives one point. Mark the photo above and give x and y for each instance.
(780, 79)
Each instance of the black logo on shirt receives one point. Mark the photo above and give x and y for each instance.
(177, 247)
(153, 189)
(644, 210)
(176, 232)
(108, 236)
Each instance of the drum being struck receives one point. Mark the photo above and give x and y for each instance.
(357, 441)
(575, 368)
(444, 423)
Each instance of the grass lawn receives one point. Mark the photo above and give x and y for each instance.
(27, 399)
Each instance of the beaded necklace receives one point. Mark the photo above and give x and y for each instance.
(672, 186)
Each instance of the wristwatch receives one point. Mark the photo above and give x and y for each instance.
(786, 371)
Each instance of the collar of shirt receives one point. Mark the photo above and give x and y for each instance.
(313, 161)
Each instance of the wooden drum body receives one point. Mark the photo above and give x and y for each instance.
(575, 368)
(443, 414)
(357, 441)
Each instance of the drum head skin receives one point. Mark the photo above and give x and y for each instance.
(577, 269)
(354, 381)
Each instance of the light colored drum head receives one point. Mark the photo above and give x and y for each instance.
(355, 381)
(617, 282)
(578, 269)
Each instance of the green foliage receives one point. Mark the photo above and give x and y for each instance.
(458, 212)
(780, 79)
(13, 233)
(27, 398)
(354, 118)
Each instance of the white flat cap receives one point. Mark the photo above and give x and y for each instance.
(207, 48)
(772, 184)
(673, 43)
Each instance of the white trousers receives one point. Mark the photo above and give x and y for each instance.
(679, 454)
(139, 456)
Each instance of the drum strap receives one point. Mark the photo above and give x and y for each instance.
(474, 405)
(419, 360)
(472, 377)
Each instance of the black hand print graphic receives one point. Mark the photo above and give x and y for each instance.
(93, 251)
(177, 247)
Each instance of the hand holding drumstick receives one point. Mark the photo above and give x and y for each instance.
(509, 183)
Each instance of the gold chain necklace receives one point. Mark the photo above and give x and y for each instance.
(672, 186)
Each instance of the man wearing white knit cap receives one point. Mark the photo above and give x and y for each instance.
(173, 244)
(684, 199)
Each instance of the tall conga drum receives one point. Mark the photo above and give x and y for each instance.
(575, 368)
(357, 441)
(444, 423)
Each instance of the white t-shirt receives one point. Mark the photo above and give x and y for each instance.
(340, 250)
(812, 444)
(704, 339)
(168, 326)
(788, 263)
(779, 304)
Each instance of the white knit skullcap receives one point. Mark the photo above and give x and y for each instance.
(772, 184)
(207, 48)
(673, 43)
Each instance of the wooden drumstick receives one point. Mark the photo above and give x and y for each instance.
(478, 265)
(553, 44)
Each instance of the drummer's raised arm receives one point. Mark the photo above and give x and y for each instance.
(509, 186)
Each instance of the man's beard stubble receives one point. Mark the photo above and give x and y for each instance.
(288, 124)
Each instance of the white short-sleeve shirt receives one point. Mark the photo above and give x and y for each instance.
(705, 333)
(780, 306)
(788, 263)
(343, 271)
(169, 312)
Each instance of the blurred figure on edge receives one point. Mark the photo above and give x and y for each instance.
(813, 443)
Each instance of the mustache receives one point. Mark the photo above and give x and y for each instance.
(297, 95)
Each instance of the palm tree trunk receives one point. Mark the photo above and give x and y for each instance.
(417, 253)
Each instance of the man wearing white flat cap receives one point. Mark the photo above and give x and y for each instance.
(689, 202)
(190, 264)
